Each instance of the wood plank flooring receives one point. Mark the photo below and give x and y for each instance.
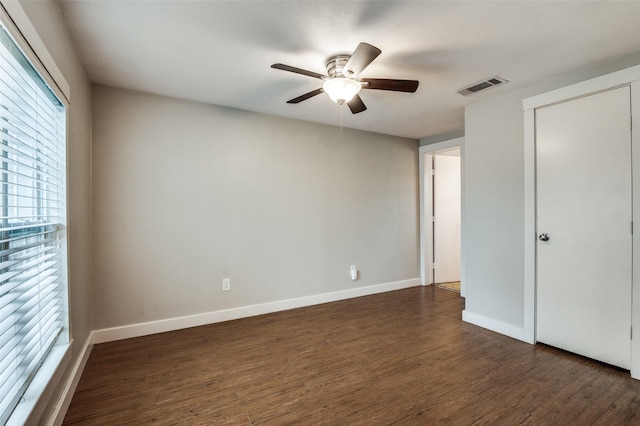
(403, 358)
(452, 286)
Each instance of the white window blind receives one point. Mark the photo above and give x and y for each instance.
(32, 217)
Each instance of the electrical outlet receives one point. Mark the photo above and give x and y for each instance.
(226, 284)
(354, 273)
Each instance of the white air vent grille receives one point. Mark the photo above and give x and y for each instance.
(482, 85)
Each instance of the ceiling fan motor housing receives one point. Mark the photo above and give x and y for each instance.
(335, 66)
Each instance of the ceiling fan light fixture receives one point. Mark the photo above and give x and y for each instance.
(342, 83)
(341, 90)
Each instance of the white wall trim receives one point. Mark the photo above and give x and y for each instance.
(171, 324)
(495, 325)
(426, 231)
(530, 226)
(425, 153)
(628, 76)
(635, 245)
(57, 416)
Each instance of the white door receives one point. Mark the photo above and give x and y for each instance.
(583, 273)
(446, 206)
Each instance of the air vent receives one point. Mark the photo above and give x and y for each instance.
(482, 85)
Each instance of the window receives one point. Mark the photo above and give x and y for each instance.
(33, 282)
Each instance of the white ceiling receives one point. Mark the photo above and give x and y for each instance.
(220, 52)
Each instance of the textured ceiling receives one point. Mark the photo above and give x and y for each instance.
(220, 52)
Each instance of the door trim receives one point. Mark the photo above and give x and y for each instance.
(425, 153)
(629, 76)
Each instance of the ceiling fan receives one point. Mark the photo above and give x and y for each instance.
(342, 83)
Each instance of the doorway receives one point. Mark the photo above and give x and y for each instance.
(441, 214)
(446, 219)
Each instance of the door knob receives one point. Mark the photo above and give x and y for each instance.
(544, 237)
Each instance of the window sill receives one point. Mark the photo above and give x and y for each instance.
(38, 394)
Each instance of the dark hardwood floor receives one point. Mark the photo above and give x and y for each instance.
(403, 357)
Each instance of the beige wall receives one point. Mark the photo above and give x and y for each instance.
(186, 194)
(49, 23)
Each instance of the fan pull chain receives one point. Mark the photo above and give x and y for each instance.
(341, 120)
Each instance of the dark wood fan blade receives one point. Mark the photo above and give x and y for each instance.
(356, 105)
(389, 84)
(360, 59)
(305, 96)
(289, 68)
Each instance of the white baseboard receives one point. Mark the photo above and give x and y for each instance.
(170, 324)
(495, 325)
(57, 416)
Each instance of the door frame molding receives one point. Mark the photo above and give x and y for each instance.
(425, 153)
(626, 77)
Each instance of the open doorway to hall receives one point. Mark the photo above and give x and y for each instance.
(446, 219)
(441, 214)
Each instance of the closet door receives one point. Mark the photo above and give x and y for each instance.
(584, 226)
